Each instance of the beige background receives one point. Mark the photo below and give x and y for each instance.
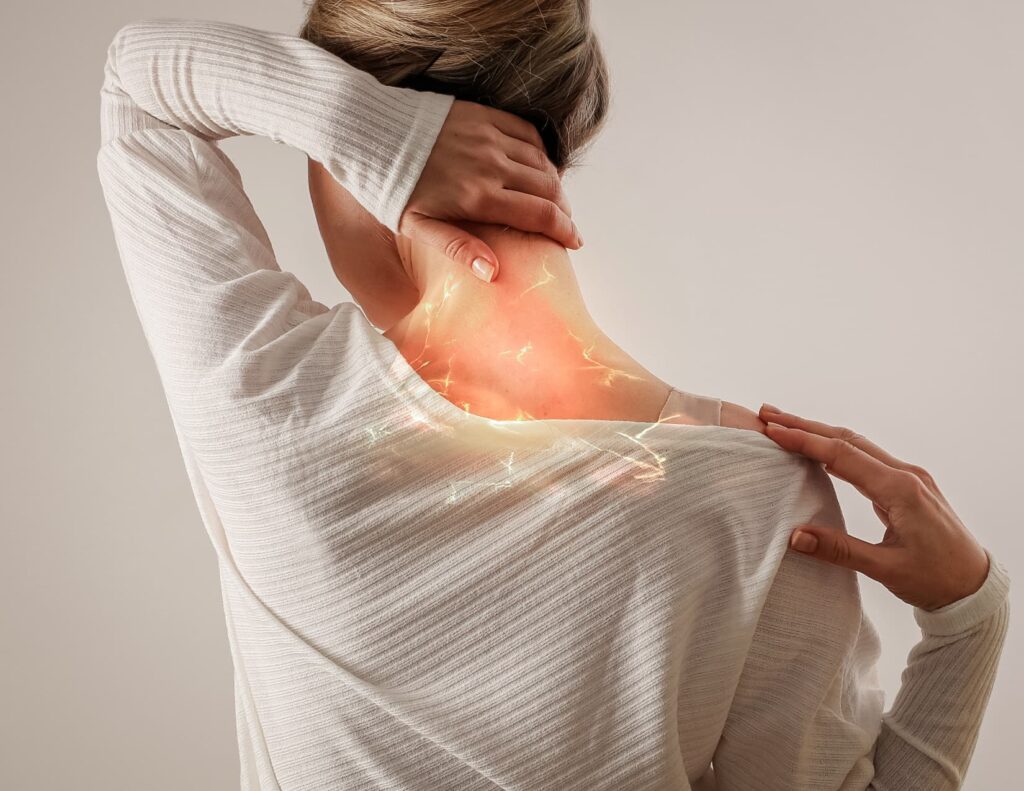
(816, 204)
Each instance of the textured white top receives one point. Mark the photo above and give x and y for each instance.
(421, 598)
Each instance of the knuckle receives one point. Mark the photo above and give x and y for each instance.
(554, 186)
(550, 214)
(525, 154)
(838, 552)
(910, 486)
(483, 201)
(487, 135)
(849, 435)
(497, 161)
(454, 248)
(922, 474)
(841, 447)
(470, 197)
(920, 489)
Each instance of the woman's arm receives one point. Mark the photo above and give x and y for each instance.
(200, 267)
(932, 728)
(214, 80)
(807, 712)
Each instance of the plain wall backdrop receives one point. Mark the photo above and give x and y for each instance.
(815, 204)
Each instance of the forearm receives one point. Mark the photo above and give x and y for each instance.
(218, 79)
(929, 734)
(808, 712)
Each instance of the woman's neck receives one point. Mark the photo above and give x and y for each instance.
(523, 346)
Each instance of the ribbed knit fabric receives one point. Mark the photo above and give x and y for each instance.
(420, 598)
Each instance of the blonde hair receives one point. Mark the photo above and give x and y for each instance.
(538, 59)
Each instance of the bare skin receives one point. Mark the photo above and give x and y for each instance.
(517, 342)
(473, 352)
(521, 345)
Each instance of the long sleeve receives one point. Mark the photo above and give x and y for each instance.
(200, 267)
(808, 713)
(932, 728)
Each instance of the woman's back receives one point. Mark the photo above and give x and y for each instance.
(420, 594)
(420, 597)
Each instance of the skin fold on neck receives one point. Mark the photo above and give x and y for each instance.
(523, 346)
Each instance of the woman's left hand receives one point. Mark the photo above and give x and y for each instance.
(487, 166)
(927, 557)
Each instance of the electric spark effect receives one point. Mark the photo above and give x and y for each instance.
(460, 489)
(430, 309)
(446, 380)
(520, 353)
(610, 374)
(648, 463)
(547, 278)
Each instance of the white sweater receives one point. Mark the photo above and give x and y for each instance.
(420, 598)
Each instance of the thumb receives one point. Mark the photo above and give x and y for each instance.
(455, 243)
(837, 547)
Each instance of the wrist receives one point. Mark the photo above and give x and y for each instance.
(966, 612)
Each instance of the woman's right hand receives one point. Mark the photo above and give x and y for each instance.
(927, 558)
(486, 166)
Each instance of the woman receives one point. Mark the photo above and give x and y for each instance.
(486, 548)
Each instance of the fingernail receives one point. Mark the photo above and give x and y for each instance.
(804, 542)
(770, 407)
(769, 426)
(483, 269)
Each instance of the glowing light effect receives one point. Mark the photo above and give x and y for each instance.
(460, 489)
(519, 354)
(648, 463)
(446, 380)
(431, 310)
(546, 278)
(609, 374)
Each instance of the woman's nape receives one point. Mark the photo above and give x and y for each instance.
(523, 346)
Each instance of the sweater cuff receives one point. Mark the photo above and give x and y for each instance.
(404, 170)
(963, 614)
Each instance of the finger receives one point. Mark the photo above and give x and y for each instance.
(532, 214)
(457, 244)
(851, 436)
(841, 549)
(874, 478)
(514, 126)
(529, 155)
(826, 430)
(533, 182)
